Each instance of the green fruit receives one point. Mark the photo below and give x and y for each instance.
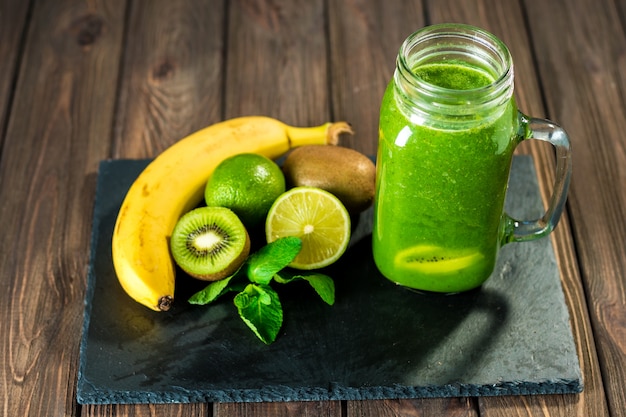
(315, 216)
(247, 184)
(344, 172)
(209, 243)
(427, 259)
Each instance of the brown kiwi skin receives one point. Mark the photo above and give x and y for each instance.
(344, 172)
(230, 269)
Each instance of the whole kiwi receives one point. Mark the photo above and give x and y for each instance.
(344, 172)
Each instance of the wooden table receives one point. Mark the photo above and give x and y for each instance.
(82, 81)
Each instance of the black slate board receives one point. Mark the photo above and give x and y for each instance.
(512, 336)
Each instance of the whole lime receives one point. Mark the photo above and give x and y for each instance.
(246, 183)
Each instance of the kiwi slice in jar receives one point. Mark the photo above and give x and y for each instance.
(427, 259)
(210, 243)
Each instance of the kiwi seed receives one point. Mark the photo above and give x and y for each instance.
(210, 243)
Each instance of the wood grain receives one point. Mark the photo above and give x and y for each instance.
(304, 409)
(58, 130)
(365, 37)
(276, 63)
(585, 90)
(621, 6)
(449, 407)
(13, 21)
(172, 76)
(148, 410)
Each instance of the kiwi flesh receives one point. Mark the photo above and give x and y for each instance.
(427, 259)
(210, 243)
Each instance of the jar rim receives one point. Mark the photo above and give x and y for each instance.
(487, 45)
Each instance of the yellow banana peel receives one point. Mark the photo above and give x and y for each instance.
(173, 183)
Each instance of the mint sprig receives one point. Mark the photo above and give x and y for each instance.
(323, 285)
(215, 290)
(260, 308)
(272, 258)
(257, 303)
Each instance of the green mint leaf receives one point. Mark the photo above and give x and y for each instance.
(323, 285)
(284, 277)
(260, 308)
(210, 293)
(216, 289)
(287, 275)
(271, 258)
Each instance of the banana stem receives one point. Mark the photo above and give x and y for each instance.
(327, 134)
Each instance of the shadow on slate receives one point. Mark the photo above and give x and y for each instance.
(510, 337)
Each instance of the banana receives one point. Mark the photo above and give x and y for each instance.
(173, 183)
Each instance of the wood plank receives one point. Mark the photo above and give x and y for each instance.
(58, 130)
(365, 37)
(280, 409)
(171, 86)
(172, 76)
(449, 407)
(503, 19)
(169, 410)
(276, 61)
(621, 6)
(584, 73)
(13, 21)
(277, 66)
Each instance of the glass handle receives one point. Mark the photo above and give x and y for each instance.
(545, 130)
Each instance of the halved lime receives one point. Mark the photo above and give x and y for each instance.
(318, 218)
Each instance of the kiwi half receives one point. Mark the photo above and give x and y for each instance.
(210, 243)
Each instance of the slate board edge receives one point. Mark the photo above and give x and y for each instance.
(282, 393)
(83, 386)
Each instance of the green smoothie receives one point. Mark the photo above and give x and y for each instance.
(441, 188)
